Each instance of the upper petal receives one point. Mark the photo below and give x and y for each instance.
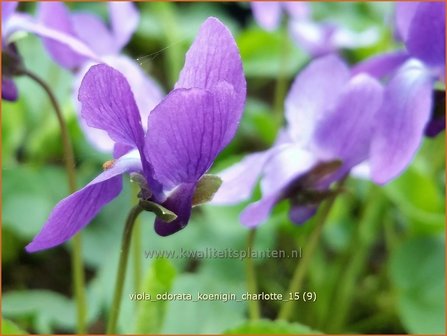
(403, 16)
(267, 14)
(77, 210)
(146, 91)
(426, 37)
(187, 130)
(23, 22)
(401, 121)
(108, 104)
(312, 94)
(8, 8)
(297, 9)
(92, 31)
(124, 19)
(212, 58)
(346, 132)
(56, 16)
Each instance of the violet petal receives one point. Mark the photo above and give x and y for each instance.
(258, 212)
(299, 214)
(312, 94)
(9, 90)
(124, 19)
(187, 130)
(24, 22)
(179, 202)
(401, 121)
(267, 14)
(212, 58)
(381, 65)
(108, 104)
(146, 91)
(92, 31)
(56, 16)
(404, 14)
(239, 180)
(426, 37)
(8, 8)
(297, 10)
(288, 163)
(346, 132)
(77, 210)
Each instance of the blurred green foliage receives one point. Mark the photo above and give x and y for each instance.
(400, 286)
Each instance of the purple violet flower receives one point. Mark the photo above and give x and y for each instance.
(316, 38)
(329, 130)
(185, 133)
(406, 114)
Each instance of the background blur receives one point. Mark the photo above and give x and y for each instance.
(396, 277)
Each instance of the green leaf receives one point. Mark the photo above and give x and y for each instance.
(417, 270)
(49, 309)
(271, 327)
(418, 196)
(206, 188)
(9, 328)
(262, 53)
(159, 280)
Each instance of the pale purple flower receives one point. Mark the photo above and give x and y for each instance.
(406, 113)
(330, 117)
(185, 132)
(89, 29)
(106, 42)
(268, 14)
(9, 89)
(13, 22)
(317, 38)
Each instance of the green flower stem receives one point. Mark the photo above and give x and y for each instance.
(136, 250)
(281, 81)
(122, 266)
(360, 248)
(308, 251)
(76, 256)
(253, 305)
(168, 18)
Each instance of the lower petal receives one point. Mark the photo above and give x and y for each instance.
(300, 214)
(73, 213)
(239, 180)
(258, 212)
(9, 90)
(179, 202)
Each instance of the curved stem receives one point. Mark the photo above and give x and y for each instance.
(308, 251)
(76, 256)
(136, 248)
(253, 305)
(122, 266)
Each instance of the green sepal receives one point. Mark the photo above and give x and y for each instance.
(205, 189)
(159, 210)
